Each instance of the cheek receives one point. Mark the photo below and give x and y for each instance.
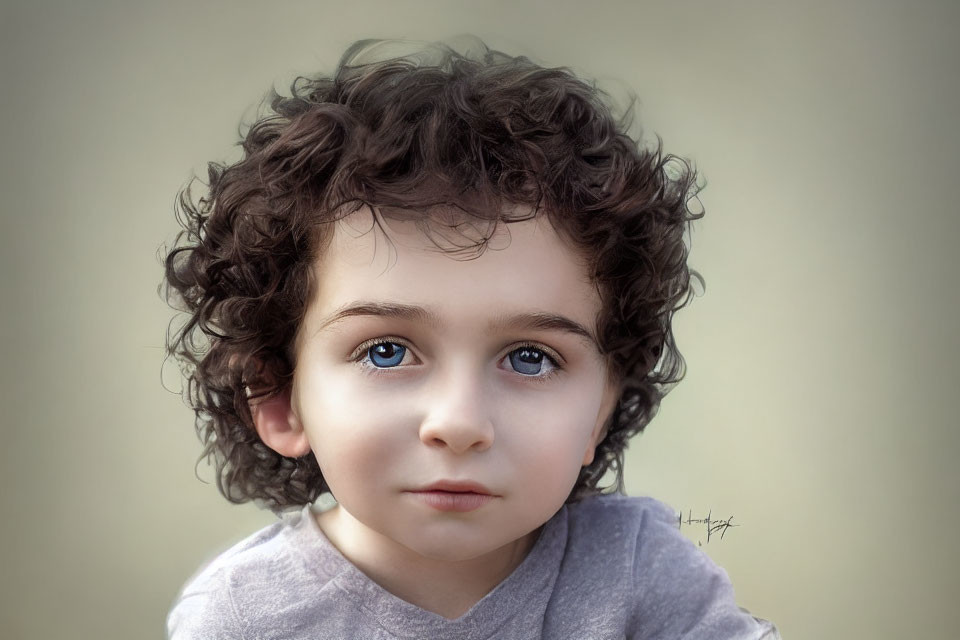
(355, 465)
(547, 475)
(340, 455)
(563, 421)
(549, 451)
(554, 459)
(351, 437)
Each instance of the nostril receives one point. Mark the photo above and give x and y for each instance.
(460, 435)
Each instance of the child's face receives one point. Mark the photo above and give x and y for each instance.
(461, 399)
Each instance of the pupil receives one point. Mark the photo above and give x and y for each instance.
(385, 350)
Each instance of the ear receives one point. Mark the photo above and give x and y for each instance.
(611, 395)
(278, 426)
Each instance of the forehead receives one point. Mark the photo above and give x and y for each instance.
(526, 267)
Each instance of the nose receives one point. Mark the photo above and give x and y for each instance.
(457, 417)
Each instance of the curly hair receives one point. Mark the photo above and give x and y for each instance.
(409, 133)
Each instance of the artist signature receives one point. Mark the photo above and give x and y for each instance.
(712, 524)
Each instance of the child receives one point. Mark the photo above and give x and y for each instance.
(439, 286)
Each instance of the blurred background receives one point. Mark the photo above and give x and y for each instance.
(817, 411)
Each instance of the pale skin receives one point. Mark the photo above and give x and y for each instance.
(458, 400)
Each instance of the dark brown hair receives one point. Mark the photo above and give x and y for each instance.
(405, 133)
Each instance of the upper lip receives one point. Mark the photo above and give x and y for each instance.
(458, 486)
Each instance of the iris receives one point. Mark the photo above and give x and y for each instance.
(390, 352)
(527, 361)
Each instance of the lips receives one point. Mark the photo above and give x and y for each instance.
(454, 495)
(457, 486)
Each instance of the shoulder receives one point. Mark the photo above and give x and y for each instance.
(644, 528)
(620, 508)
(242, 585)
(676, 589)
(204, 609)
(640, 532)
(205, 606)
(622, 519)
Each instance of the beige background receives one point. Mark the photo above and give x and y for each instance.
(818, 406)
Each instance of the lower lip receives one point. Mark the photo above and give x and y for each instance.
(450, 501)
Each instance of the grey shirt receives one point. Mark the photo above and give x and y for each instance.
(610, 566)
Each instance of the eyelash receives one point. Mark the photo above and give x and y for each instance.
(362, 352)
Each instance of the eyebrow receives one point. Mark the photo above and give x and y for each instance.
(535, 320)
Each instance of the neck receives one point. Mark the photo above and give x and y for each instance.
(447, 588)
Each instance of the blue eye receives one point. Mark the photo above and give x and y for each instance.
(386, 354)
(528, 361)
